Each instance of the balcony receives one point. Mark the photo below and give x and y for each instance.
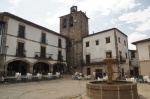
(60, 58)
(95, 61)
(100, 61)
(39, 55)
(122, 60)
(44, 41)
(20, 53)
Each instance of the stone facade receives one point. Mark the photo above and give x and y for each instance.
(74, 34)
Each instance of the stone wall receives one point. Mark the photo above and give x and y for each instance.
(75, 41)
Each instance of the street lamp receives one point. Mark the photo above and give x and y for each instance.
(6, 47)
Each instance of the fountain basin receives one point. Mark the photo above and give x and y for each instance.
(118, 90)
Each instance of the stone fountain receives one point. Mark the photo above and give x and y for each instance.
(111, 89)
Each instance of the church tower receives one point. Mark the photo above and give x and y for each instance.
(74, 26)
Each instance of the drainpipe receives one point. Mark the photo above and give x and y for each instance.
(117, 56)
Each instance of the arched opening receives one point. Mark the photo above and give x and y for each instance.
(40, 67)
(71, 21)
(17, 66)
(58, 68)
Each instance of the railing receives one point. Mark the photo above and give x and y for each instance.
(93, 61)
(96, 61)
(60, 58)
(20, 53)
(122, 60)
(44, 41)
(21, 35)
(43, 55)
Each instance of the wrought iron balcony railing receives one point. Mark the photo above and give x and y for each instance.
(60, 58)
(43, 55)
(20, 53)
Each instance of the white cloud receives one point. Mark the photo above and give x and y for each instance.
(138, 16)
(100, 7)
(113, 21)
(14, 3)
(135, 37)
(144, 26)
(131, 28)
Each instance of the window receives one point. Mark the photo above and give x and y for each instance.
(132, 54)
(87, 59)
(124, 42)
(59, 43)
(59, 56)
(120, 55)
(88, 71)
(109, 52)
(122, 71)
(43, 52)
(97, 42)
(119, 39)
(108, 40)
(43, 38)
(126, 55)
(71, 21)
(21, 33)
(64, 23)
(20, 51)
(87, 44)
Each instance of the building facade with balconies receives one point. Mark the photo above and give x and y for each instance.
(95, 48)
(30, 47)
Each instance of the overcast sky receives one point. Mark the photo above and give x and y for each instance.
(132, 17)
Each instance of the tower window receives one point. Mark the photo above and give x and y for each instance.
(71, 21)
(64, 23)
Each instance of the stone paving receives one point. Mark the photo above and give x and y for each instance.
(64, 88)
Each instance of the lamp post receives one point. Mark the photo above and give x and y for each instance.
(6, 47)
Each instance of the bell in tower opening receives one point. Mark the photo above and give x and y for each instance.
(73, 9)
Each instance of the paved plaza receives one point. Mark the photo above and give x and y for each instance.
(64, 88)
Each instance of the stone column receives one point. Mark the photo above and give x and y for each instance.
(109, 69)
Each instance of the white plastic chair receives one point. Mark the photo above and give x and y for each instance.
(89, 77)
(105, 78)
(146, 79)
(39, 76)
(18, 76)
(100, 79)
(57, 74)
(29, 76)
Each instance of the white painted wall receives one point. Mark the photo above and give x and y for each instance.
(121, 46)
(32, 45)
(99, 51)
(143, 51)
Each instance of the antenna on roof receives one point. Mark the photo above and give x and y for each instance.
(74, 4)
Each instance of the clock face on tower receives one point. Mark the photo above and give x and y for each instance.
(75, 20)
